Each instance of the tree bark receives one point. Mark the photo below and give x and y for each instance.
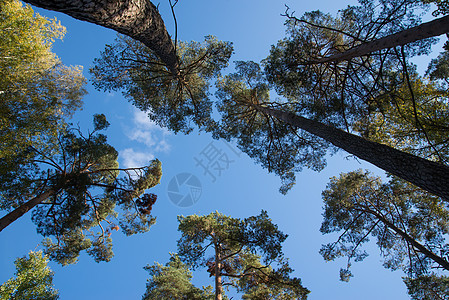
(24, 208)
(438, 259)
(428, 175)
(218, 283)
(138, 19)
(426, 30)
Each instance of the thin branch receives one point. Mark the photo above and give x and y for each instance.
(291, 17)
(172, 7)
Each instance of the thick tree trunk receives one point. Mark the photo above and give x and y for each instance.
(138, 19)
(426, 30)
(24, 208)
(438, 259)
(428, 175)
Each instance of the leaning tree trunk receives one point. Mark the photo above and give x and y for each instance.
(24, 208)
(428, 175)
(426, 30)
(138, 19)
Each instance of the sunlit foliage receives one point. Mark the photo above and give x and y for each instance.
(33, 280)
(36, 90)
(246, 254)
(409, 225)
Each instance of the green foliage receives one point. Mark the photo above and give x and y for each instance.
(412, 117)
(398, 215)
(36, 90)
(337, 93)
(439, 67)
(170, 100)
(344, 94)
(428, 287)
(277, 146)
(379, 95)
(172, 281)
(100, 122)
(248, 253)
(264, 282)
(33, 280)
(92, 195)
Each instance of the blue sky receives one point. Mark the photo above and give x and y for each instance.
(241, 190)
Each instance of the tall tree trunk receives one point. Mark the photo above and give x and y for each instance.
(428, 175)
(24, 208)
(218, 283)
(438, 259)
(426, 30)
(138, 19)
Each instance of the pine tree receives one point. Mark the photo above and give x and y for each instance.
(75, 186)
(173, 281)
(410, 225)
(246, 254)
(33, 280)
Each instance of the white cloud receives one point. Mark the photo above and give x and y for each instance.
(163, 146)
(133, 159)
(147, 132)
(142, 136)
(141, 119)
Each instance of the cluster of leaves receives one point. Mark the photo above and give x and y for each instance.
(410, 225)
(354, 94)
(248, 253)
(76, 170)
(33, 280)
(172, 281)
(36, 90)
(411, 117)
(428, 287)
(334, 92)
(277, 146)
(171, 100)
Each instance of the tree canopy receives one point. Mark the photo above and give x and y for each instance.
(410, 226)
(76, 186)
(246, 254)
(428, 287)
(346, 95)
(171, 101)
(173, 281)
(368, 93)
(33, 280)
(37, 91)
